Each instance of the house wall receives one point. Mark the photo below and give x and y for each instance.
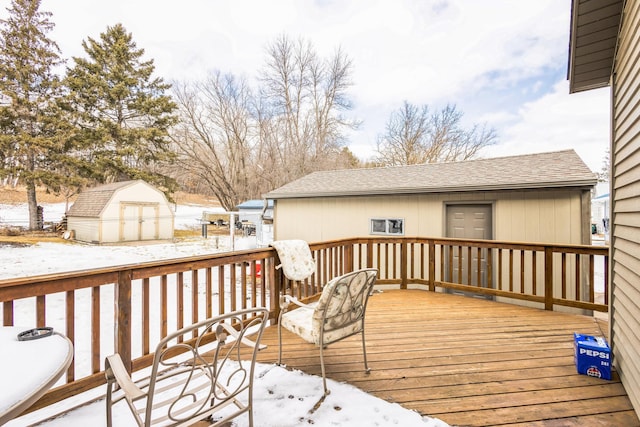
(625, 204)
(544, 216)
(552, 216)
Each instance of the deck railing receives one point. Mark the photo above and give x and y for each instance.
(129, 308)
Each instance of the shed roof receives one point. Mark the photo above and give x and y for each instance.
(545, 170)
(593, 42)
(91, 201)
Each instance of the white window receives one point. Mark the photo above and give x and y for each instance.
(387, 226)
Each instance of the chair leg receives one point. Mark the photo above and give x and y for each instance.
(324, 377)
(280, 340)
(250, 411)
(364, 352)
(109, 403)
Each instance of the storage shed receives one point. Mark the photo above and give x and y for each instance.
(542, 197)
(121, 212)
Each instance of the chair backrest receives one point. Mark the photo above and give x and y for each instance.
(202, 368)
(295, 258)
(342, 305)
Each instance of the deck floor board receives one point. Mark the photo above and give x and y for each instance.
(469, 362)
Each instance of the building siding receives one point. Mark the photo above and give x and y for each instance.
(544, 216)
(549, 216)
(625, 204)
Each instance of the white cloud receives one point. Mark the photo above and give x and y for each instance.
(559, 121)
(488, 57)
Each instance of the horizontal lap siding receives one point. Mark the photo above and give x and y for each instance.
(553, 216)
(625, 160)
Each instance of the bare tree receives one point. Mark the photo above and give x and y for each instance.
(413, 135)
(243, 143)
(605, 172)
(213, 137)
(303, 98)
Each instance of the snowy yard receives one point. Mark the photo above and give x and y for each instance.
(282, 398)
(45, 258)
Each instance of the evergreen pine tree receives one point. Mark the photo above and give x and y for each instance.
(123, 112)
(32, 139)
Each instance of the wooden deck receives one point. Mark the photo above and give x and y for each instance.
(469, 362)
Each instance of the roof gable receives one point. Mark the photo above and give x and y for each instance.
(92, 201)
(545, 170)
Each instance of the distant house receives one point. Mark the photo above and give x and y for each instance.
(253, 210)
(534, 198)
(600, 214)
(121, 212)
(259, 217)
(605, 51)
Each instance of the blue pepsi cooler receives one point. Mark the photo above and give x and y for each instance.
(592, 356)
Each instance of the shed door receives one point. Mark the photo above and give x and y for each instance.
(138, 221)
(149, 226)
(472, 221)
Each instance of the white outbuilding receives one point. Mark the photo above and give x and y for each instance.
(121, 212)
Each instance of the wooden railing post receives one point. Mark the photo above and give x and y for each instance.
(7, 313)
(276, 288)
(404, 265)
(432, 265)
(548, 278)
(348, 258)
(123, 317)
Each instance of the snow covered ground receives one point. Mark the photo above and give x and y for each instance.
(45, 258)
(282, 398)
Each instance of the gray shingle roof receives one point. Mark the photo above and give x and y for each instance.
(544, 170)
(91, 201)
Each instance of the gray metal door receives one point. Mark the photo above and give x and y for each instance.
(472, 221)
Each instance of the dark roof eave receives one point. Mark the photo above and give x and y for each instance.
(581, 11)
(414, 190)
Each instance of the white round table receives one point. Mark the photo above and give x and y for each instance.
(29, 368)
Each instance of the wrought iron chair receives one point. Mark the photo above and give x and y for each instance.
(198, 374)
(338, 314)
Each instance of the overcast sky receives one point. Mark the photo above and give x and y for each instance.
(503, 62)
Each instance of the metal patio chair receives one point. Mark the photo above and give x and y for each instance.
(338, 314)
(206, 377)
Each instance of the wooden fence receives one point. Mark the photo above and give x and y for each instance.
(129, 308)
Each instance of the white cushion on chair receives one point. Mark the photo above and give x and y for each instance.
(295, 258)
(300, 322)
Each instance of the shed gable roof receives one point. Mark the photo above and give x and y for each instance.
(92, 201)
(546, 170)
(593, 42)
